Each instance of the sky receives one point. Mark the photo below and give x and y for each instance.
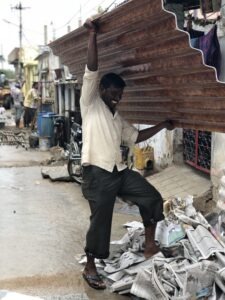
(56, 14)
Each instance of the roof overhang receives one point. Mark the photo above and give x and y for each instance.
(166, 78)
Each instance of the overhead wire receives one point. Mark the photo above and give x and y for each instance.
(68, 22)
(85, 4)
(105, 10)
(30, 43)
(65, 24)
(17, 25)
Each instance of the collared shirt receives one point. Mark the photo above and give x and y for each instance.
(32, 99)
(102, 131)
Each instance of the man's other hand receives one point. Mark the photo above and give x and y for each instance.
(90, 25)
(168, 124)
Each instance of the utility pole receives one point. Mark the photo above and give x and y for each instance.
(20, 8)
(53, 31)
(80, 18)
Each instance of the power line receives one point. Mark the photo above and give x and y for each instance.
(78, 12)
(68, 22)
(17, 25)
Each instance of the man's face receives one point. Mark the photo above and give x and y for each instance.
(111, 96)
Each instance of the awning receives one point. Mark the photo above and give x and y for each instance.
(166, 78)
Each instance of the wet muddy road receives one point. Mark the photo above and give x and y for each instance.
(42, 232)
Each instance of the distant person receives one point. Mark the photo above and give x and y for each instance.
(17, 96)
(2, 79)
(31, 104)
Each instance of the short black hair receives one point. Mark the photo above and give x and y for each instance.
(112, 79)
(34, 83)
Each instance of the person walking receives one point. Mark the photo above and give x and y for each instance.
(104, 174)
(31, 104)
(17, 96)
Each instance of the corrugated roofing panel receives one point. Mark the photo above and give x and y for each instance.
(166, 78)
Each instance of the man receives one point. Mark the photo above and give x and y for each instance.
(31, 104)
(104, 174)
(17, 96)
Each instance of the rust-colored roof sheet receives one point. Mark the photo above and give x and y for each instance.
(166, 78)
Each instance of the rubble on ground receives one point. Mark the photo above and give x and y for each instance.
(14, 137)
(57, 169)
(56, 173)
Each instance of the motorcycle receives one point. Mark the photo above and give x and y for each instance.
(74, 162)
(58, 131)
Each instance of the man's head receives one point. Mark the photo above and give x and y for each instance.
(111, 89)
(17, 85)
(35, 85)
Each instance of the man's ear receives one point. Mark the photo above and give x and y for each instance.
(101, 87)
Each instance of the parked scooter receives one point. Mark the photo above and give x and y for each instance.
(75, 146)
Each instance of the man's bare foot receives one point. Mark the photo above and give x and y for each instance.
(91, 275)
(94, 280)
(150, 247)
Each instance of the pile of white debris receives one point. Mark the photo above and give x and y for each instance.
(191, 264)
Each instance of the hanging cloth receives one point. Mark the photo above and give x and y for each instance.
(210, 47)
(216, 5)
(206, 6)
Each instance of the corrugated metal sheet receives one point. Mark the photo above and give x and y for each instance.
(166, 78)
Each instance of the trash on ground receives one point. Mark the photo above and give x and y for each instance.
(56, 173)
(191, 264)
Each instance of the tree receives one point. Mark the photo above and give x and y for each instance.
(9, 74)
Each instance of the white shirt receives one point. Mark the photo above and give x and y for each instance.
(102, 131)
(17, 96)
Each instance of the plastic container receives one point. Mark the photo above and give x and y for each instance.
(143, 157)
(39, 121)
(33, 140)
(47, 126)
(44, 143)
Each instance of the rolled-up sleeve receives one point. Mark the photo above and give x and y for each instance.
(129, 133)
(89, 87)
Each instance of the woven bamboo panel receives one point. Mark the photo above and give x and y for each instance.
(166, 78)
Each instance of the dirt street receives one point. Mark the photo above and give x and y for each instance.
(42, 230)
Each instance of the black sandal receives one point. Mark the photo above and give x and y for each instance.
(94, 281)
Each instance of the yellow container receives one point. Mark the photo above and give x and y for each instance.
(142, 156)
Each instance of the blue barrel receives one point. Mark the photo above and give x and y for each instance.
(39, 121)
(47, 126)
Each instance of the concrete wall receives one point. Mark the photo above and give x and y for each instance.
(217, 161)
(162, 143)
(218, 139)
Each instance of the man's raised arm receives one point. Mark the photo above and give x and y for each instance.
(92, 52)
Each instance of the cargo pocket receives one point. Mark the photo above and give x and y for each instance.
(89, 184)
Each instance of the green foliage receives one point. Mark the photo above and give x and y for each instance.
(9, 74)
